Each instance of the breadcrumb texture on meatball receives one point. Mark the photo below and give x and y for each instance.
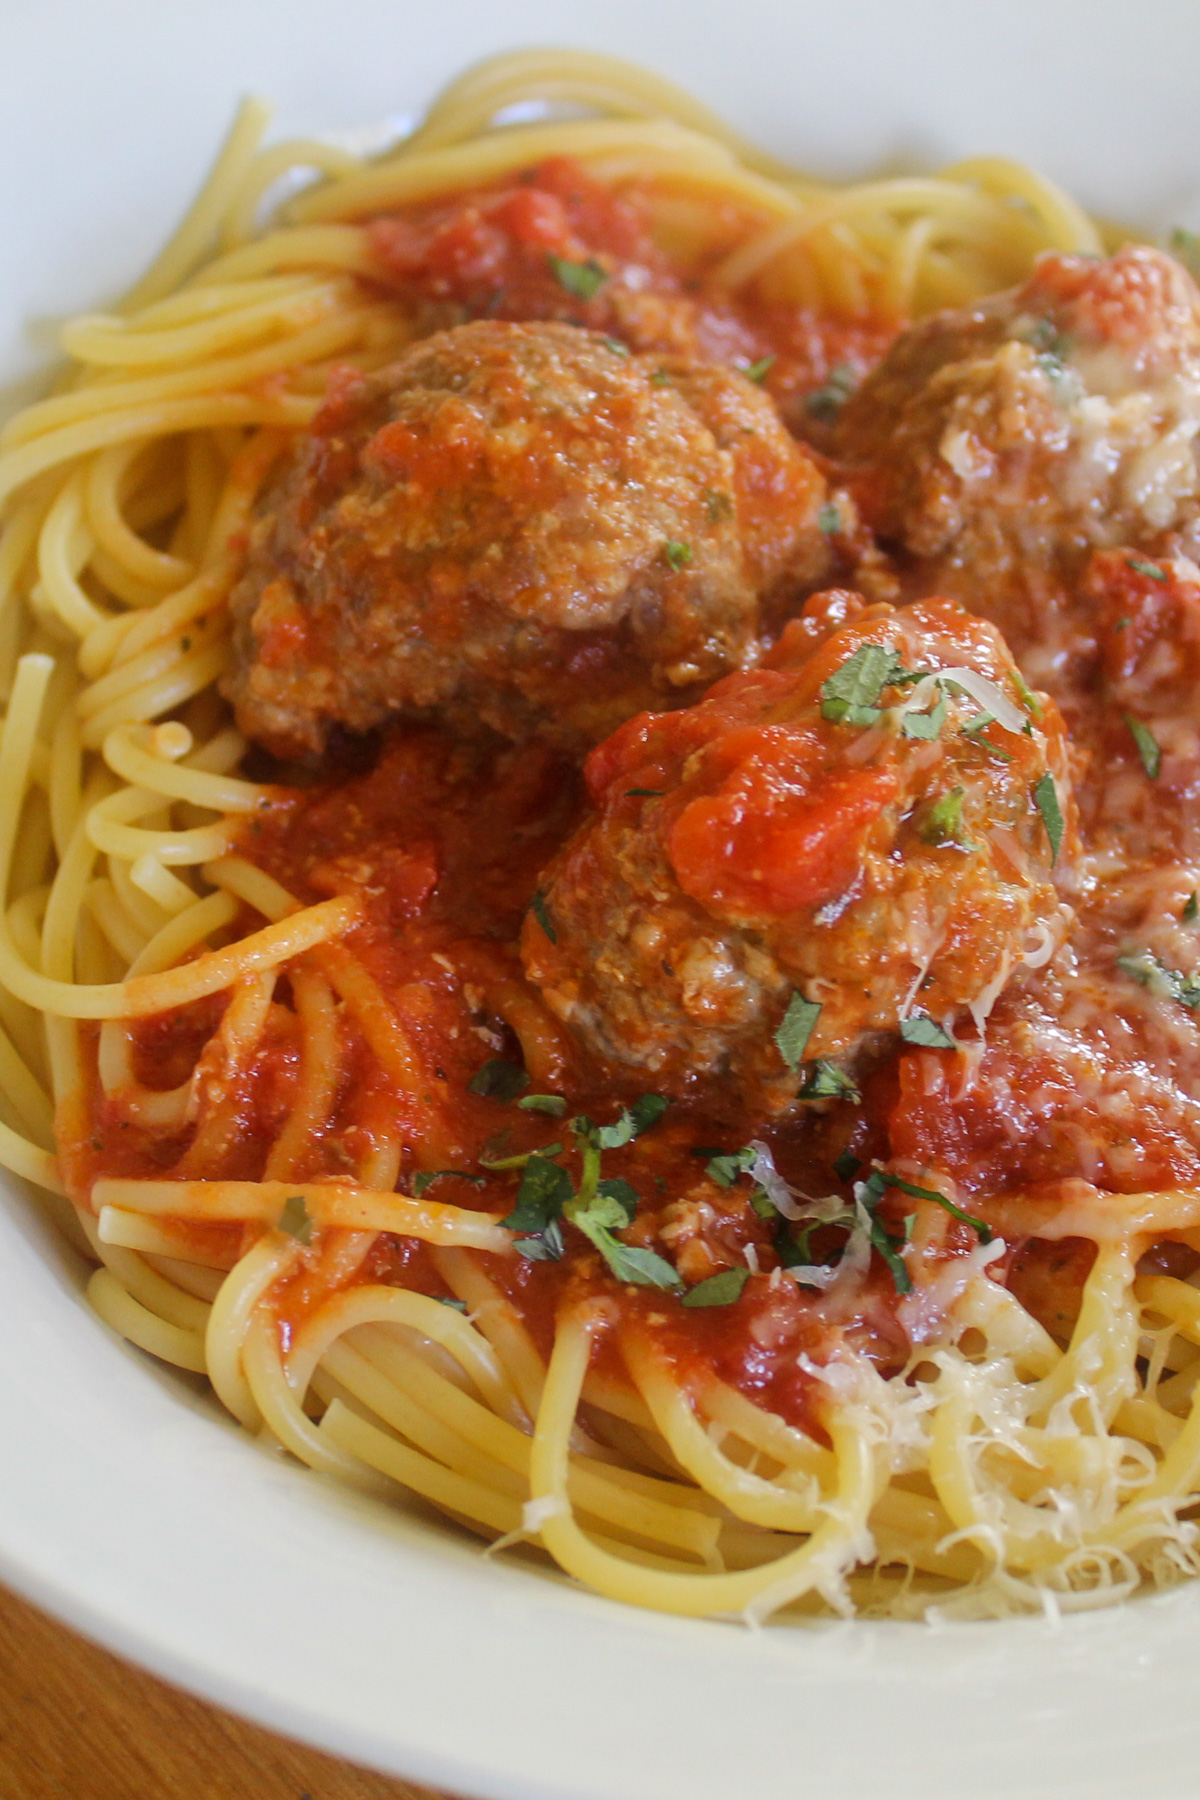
(1002, 442)
(520, 524)
(846, 824)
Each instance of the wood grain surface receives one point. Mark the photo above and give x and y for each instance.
(77, 1724)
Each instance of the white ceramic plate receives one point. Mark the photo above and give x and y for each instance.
(127, 1505)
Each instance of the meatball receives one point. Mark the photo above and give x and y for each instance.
(523, 524)
(1141, 730)
(867, 823)
(1001, 443)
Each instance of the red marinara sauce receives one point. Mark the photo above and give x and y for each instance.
(553, 243)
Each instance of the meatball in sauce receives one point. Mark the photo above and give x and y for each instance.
(857, 823)
(525, 525)
(1000, 444)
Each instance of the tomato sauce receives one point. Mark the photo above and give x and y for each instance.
(555, 244)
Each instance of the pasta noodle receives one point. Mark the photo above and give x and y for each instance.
(999, 1469)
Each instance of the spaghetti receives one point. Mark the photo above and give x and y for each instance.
(290, 1107)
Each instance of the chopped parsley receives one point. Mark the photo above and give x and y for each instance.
(1149, 569)
(758, 371)
(661, 378)
(880, 1181)
(1045, 795)
(544, 1191)
(452, 1302)
(718, 1290)
(719, 505)
(943, 824)
(678, 555)
(633, 1120)
(1147, 746)
(979, 724)
(825, 1081)
(424, 1178)
(296, 1220)
(851, 694)
(553, 1105)
(628, 1262)
(1163, 983)
(498, 1080)
(725, 1167)
(795, 1029)
(827, 401)
(541, 912)
(644, 793)
(548, 1246)
(927, 725)
(582, 279)
(616, 346)
(829, 519)
(846, 1166)
(546, 1197)
(1191, 908)
(918, 1028)
(1027, 694)
(519, 1161)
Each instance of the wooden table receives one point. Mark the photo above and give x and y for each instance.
(77, 1724)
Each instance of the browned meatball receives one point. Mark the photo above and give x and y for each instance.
(1001, 443)
(847, 825)
(522, 524)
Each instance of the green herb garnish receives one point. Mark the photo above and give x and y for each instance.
(644, 1113)
(943, 822)
(498, 1080)
(1149, 569)
(644, 793)
(827, 401)
(919, 1029)
(423, 1179)
(677, 554)
(1027, 694)
(1045, 795)
(616, 346)
(1191, 908)
(979, 724)
(547, 1247)
(846, 1166)
(583, 279)
(718, 1290)
(1163, 983)
(725, 1169)
(795, 1029)
(850, 695)
(544, 1191)
(296, 1220)
(553, 1105)
(521, 1159)
(758, 371)
(825, 1081)
(880, 1181)
(829, 519)
(719, 505)
(541, 912)
(926, 725)
(1147, 746)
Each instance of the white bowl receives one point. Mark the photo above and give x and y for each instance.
(128, 1505)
